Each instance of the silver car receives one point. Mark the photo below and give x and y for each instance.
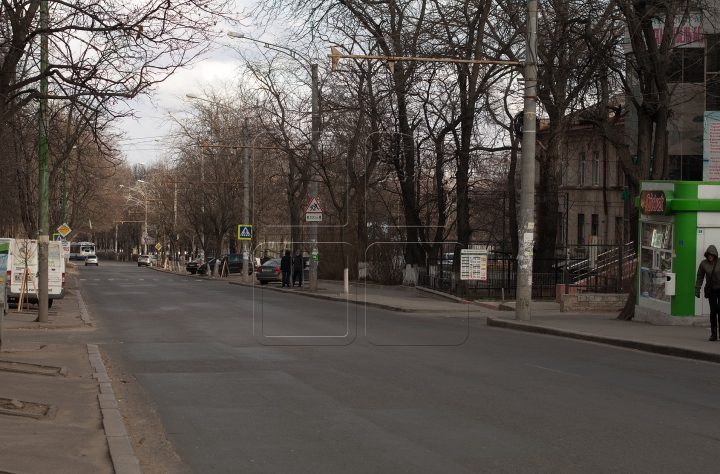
(91, 260)
(146, 260)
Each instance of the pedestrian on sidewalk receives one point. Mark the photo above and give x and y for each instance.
(298, 265)
(286, 268)
(707, 271)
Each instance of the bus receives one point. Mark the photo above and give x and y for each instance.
(81, 250)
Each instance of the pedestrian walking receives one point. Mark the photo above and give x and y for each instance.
(711, 275)
(286, 268)
(298, 266)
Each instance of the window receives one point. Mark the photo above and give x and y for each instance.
(581, 229)
(594, 225)
(562, 173)
(582, 169)
(619, 175)
(687, 65)
(655, 260)
(686, 167)
(596, 168)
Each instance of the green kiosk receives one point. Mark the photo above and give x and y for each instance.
(678, 220)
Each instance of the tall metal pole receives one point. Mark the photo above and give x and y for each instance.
(313, 174)
(526, 226)
(246, 199)
(175, 233)
(147, 235)
(43, 174)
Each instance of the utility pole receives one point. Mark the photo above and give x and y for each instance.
(43, 175)
(313, 174)
(246, 200)
(526, 226)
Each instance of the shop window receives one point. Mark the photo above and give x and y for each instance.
(582, 169)
(685, 167)
(686, 65)
(655, 260)
(712, 52)
(694, 65)
(581, 229)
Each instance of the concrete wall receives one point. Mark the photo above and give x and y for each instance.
(593, 302)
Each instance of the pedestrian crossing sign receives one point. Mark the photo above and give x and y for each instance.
(244, 232)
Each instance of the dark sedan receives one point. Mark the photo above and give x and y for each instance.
(269, 271)
(193, 265)
(203, 269)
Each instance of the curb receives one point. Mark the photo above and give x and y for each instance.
(83, 310)
(611, 341)
(121, 452)
(341, 300)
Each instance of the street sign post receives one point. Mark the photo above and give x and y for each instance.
(314, 211)
(57, 237)
(244, 232)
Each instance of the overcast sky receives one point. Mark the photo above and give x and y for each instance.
(139, 144)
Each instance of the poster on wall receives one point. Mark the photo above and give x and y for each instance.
(711, 147)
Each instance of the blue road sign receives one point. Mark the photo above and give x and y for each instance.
(244, 232)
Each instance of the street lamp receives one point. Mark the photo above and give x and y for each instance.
(315, 138)
(145, 230)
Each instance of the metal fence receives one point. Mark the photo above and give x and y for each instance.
(593, 267)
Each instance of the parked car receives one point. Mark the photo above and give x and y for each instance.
(269, 271)
(147, 260)
(203, 269)
(193, 265)
(235, 263)
(91, 260)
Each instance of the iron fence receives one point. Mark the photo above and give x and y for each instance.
(592, 267)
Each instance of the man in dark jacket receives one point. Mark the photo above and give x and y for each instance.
(711, 275)
(298, 266)
(286, 268)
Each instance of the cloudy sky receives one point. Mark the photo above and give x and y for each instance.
(139, 144)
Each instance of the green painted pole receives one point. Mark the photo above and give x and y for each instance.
(43, 174)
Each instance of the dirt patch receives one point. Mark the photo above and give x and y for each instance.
(25, 368)
(15, 407)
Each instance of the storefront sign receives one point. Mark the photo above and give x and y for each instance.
(653, 203)
(711, 147)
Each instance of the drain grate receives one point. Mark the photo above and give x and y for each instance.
(26, 368)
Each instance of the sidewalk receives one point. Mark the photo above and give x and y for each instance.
(681, 341)
(50, 396)
(394, 298)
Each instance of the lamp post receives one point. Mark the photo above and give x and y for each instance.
(146, 235)
(315, 137)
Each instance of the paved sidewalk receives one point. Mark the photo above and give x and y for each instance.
(682, 341)
(394, 298)
(50, 400)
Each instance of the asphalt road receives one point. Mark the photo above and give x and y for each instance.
(274, 382)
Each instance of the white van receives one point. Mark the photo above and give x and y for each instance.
(23, 253)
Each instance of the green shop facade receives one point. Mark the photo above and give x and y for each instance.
(678, 220)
